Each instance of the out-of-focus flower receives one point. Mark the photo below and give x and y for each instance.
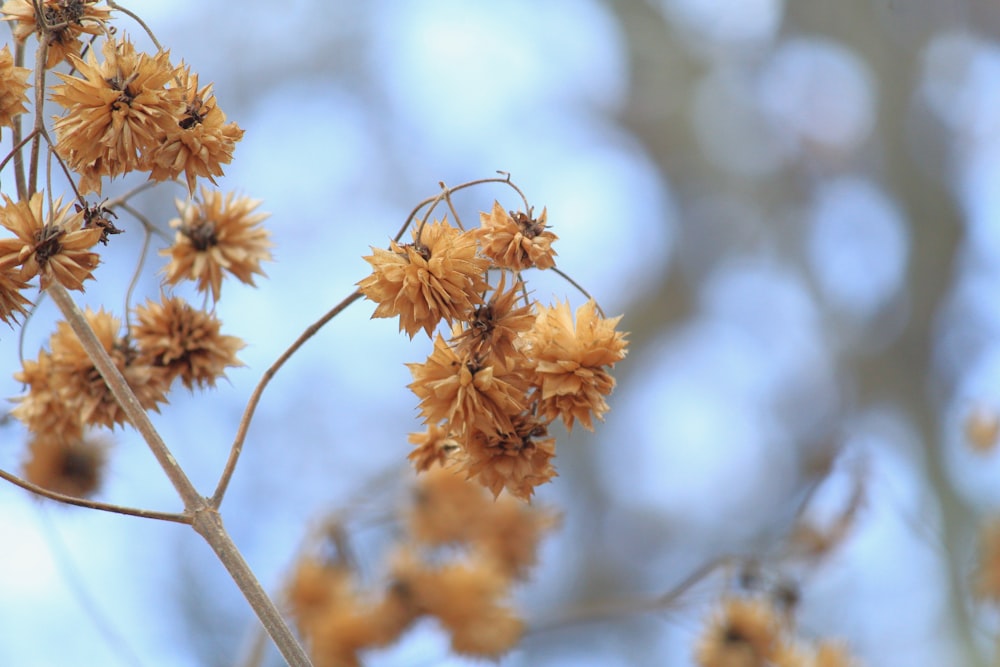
(13, 84)
(117, 113)
(56, 248)
(571, 362)
(201, 140)
(41, 408)
(71, 467)
(744, 632)
(183, 341)
(436, 277)
(221, 233)
(63, 23)
(515, 240)
(466, 598)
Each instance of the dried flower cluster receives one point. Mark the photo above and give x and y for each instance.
(66, 396)
(459, 556)
(509, 367)
(752, 632)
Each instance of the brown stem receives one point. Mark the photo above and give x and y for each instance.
(92, 504)
(205, 518)
(241, 433)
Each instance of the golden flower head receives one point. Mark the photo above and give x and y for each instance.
(517, 460)
(80, 385)
(200, 141)
(55, 248)
(183, 341)
(219, 233)
(572, 362)
(63, 21)
(516, 240)
(71, 467)
(436, 277)
(13, 84)
(116, 113)
(466, 392)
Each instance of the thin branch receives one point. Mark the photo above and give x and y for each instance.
(41, 55)
(135, 17)
(579, 288)
(605, 610)
(241, 433)
(93, 504)
(205, 518)
(18, 130)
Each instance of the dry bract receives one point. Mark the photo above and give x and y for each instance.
(469, 393)
(200, 141)
(436, 277)
(13, 84)
(515, 240)
(221, 233)
(56, 248)
(184, 342)
(117, 113)
(63, 23)
(571, 362)
(80, 386)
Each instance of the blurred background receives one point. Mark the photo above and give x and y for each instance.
(795, 205)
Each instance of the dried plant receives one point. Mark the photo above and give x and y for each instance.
(503, 367)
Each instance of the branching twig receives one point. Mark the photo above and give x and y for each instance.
(205, 519)
(241, 433)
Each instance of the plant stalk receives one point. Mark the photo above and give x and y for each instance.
(206, 520)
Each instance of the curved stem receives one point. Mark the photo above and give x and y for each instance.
(241, 433)
(93, 504)
(205, 518)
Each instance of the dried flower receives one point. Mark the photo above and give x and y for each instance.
(571, 362)
(80, 385)
(467, 393)
(517, 460)
(71, 467)
(495, 325)
(220, 233)
(12, 302)
(447, 508)
(42, 408)
(13, 84)
(184, 341)
(508, 535)
(515, 240)
(465, 597)
(436, 277)
(434, 445)
(56, 248)
(201, 140)
(63, 23)
(117, 113)
(743, 633)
